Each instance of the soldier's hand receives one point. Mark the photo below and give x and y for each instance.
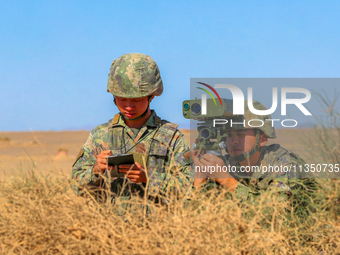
(196, 157)
(218, 164)
(134, 172)
(100, 165)
(221, 176)
(198, 182)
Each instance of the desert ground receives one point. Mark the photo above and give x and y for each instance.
(56, 151)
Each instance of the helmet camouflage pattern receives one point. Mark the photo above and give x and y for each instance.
(258, 120)
(134, 75)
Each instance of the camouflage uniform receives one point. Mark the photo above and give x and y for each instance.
(158, 146)
(166, 149)
(280, 180)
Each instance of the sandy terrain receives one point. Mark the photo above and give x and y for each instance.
(56, 151)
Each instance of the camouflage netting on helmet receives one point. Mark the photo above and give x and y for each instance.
(261, 122)
(134, 75)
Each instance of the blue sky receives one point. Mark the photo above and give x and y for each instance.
(55, 55)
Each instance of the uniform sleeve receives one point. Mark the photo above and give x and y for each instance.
(292, 197)
(283, 185)
(279, 188)
(82, 169)
(177, 172)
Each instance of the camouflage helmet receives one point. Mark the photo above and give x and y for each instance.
(256, 121)
(134, 75)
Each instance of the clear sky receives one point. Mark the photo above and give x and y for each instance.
(55, 55)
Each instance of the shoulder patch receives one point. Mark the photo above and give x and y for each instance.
(115, 119)
(187, 155)
(81, 152)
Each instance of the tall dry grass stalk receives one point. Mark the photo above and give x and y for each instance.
(40, 215)
(323, 142)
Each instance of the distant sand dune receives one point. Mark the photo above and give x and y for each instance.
(57, 150)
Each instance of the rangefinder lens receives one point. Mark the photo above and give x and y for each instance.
(205, 133)
(196, 109)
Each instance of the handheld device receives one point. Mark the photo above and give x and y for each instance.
(119, 160)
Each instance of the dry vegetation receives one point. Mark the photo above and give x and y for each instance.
(39, 214)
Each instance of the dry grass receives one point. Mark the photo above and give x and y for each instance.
(40, 215)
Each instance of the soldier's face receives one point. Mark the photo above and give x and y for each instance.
(240, 141)
(132, 107)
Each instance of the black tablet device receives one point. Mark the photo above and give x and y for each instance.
(119, 160)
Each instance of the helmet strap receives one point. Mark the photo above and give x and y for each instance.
(256, 148)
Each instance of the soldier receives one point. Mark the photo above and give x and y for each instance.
(251, 167)
(159, 148)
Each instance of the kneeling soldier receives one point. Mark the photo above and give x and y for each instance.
(159, 148)
(254, 169)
